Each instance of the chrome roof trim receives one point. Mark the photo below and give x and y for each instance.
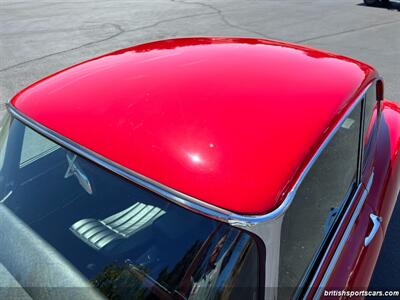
(179, 198)
(191, 203)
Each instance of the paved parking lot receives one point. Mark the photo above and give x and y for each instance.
(40, 37)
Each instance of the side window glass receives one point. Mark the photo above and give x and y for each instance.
(370, 106)
(370, 114)
(317, 203)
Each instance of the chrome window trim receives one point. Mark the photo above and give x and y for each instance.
(154, 186)
(191, 203)
(361, 140)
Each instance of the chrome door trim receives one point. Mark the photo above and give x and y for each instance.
(342, 242)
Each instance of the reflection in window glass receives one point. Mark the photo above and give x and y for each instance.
(34, 147)
(370, 106)
(370, 126)
(128, 242)
(317, 203)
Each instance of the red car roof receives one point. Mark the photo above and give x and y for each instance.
(229, 121)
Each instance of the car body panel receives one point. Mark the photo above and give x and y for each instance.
(384, 193)
(356, 262)
(384, 163)
(213, 118)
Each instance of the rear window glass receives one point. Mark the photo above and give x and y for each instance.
(122, 239)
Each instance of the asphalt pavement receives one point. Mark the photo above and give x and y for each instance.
(38, 38)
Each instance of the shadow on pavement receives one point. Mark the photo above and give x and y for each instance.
(390, 6)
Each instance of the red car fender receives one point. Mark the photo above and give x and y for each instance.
(390, 187)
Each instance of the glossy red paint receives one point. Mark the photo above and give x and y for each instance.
(230, 121)
(386, 187)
